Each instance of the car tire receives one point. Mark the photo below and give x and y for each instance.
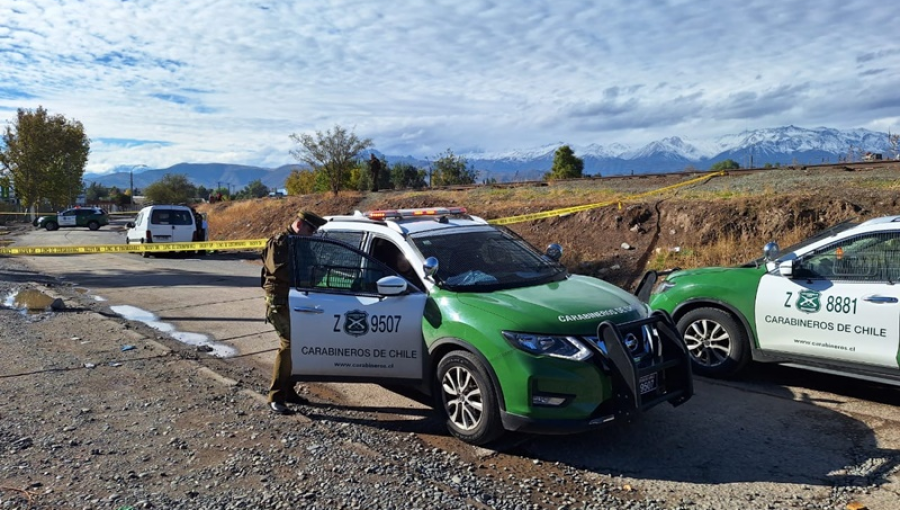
(51, 225)
(145, 254)
(716, 341)
(467, 398)
(93, 225)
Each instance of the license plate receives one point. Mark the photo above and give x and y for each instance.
(648, 383)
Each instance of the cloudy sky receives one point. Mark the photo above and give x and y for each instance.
(159, 82)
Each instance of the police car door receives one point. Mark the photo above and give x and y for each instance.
(68, 218)
(342, 329)
(842, 302)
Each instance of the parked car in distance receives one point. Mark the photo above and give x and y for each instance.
(165, 224)
(499, 335)
(830, 304)
(90, 217)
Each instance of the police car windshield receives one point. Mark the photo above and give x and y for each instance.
(486, 260)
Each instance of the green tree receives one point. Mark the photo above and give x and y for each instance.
(95, 193)
(404, 175)
(728, 164)
(450, 169)
(300, 182)
(255, 189)
(222, 191)
(360, 178)
(45, 156)
(203, 192)
(171, 189)
(566, 165)
(334, 152)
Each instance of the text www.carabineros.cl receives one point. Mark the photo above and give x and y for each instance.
(364, 365)
(825, 345)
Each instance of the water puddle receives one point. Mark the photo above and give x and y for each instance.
(87, 292)
(31, 301)
(134, 313)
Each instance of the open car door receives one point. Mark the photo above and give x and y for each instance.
(352, 318)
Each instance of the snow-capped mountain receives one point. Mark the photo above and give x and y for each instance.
(776, 146)
(786, 145)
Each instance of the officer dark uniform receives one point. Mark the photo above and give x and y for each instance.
(276, 280)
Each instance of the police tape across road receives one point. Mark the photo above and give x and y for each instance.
(253, 244)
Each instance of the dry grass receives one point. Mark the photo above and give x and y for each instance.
(726, 252)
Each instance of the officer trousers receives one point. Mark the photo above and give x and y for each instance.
(281, 389)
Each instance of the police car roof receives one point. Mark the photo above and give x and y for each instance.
(412, 224)
(881, 221)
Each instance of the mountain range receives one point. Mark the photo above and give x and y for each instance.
(776, 146)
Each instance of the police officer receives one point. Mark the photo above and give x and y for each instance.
(276, 281)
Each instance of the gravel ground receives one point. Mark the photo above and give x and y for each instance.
(99, 413)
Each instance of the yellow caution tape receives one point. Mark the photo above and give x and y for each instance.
(253, 244)
(120, 213)
(569, 210)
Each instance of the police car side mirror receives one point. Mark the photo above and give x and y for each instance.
(130, 224)
(430, 266)
(554, 252)
(391, 286)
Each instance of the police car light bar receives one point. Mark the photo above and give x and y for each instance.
(382, 214)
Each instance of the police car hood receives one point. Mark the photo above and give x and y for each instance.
(700, 271)
(575, 305)
(712, 273)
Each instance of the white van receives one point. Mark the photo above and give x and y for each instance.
(165, 224)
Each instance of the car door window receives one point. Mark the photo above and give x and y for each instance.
(869, 257)
(354, 239)
(388, 253)
(326, 265)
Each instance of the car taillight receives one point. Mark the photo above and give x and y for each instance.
(148, 237)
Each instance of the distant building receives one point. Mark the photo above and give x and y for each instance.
(872, 156)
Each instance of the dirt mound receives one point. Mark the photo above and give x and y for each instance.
(722, 221)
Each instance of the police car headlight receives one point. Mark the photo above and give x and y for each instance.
(566, 347)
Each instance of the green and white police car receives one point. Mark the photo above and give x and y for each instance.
(831, 303)
(501, 336)
(90, 217)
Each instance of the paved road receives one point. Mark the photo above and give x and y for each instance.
(798, 435)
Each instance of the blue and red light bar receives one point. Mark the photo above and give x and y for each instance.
(382, 214)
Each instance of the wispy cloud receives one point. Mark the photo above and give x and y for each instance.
(230, 80)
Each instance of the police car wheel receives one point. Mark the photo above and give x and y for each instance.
(716, 341)
(51, 225)
(93, 225)
(467, 399)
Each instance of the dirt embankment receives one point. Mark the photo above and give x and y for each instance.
(732, 215)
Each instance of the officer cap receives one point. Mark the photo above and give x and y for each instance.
(313, 218)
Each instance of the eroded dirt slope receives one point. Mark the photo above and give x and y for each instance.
(736, 213)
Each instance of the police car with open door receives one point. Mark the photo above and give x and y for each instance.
(501, 335)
